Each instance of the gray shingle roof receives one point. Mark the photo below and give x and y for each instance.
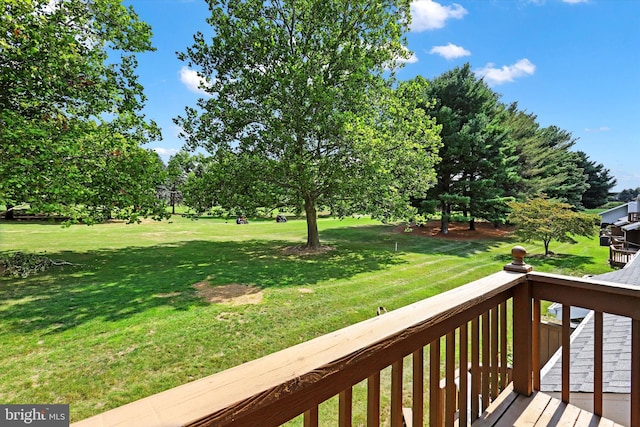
(629, 275)
(616, 364)
(616, 347)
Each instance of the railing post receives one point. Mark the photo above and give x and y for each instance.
(635, 372)
(522, 331)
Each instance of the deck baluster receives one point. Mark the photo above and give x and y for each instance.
(463, 372)
(434, 384)
(396, 394)
(450, 388)
(566, 351)
(475, 369)
(373, 400)
(418, 387)
(597, 363)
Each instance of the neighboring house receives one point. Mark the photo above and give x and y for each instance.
(620, 213)
(621, 232)
(577, 313)
(616, 357)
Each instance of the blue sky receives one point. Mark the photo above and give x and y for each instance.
(573, 63)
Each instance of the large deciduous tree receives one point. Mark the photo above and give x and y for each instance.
(302, 112)
(70, 123)
(546, 219)
(177, 171)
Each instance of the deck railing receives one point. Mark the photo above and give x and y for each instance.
(619, 255)
(482, 328)
(602, 297)
(634, 217)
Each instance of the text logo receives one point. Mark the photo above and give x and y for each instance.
(34, 415)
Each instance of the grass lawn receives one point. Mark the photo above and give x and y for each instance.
(125, 321)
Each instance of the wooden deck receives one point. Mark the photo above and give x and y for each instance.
(539, 409)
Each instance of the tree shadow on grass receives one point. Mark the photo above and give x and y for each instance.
(386, 236)
(120, 283)
(563, 261)
(558, 261)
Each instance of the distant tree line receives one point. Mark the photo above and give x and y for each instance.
(628, 194)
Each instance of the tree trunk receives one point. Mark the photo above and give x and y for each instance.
(8, 215)
(546, 247)
(444, 219)
(313, 238)
(472, 224)
(173, 200)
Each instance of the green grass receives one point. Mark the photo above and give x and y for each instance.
(125, 322)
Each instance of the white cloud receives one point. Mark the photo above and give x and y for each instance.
(543, 2)
(193, 81)
(600, 129)
(165, 151)
(412, 59)
(429, 15)
(507, 73)
(450, 51)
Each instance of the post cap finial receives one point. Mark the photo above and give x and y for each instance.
(518, 265)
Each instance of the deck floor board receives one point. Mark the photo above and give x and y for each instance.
(538, 410)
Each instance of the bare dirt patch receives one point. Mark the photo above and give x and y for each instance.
(460, 231)
(232, 294)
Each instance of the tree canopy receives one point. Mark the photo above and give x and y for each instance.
(177, 172)
(545, 162)
(599, 181)
(546, 219)
(476, 170)
(493, 154)
(70, 123)
(628, 194)
(302, 110)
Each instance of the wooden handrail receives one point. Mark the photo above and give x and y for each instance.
(614, 298)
